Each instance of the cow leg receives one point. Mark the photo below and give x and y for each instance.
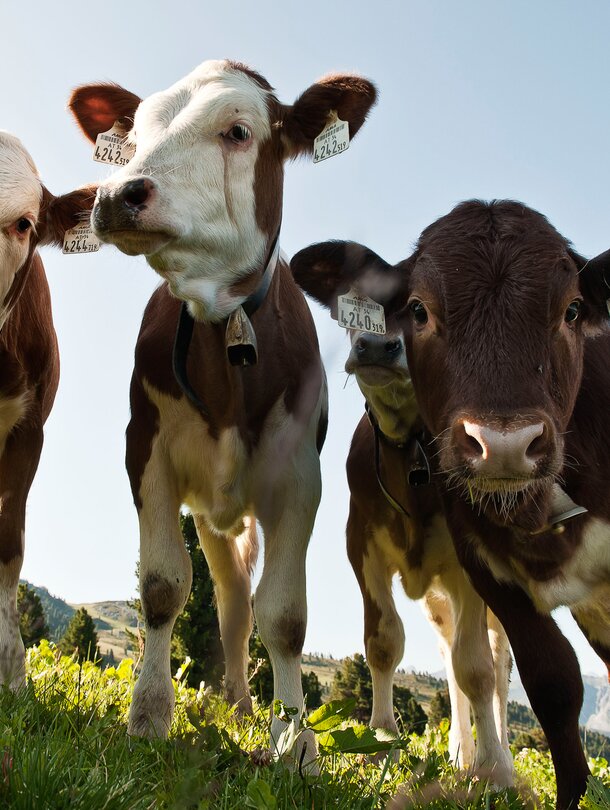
(286, 512)
(230, 560)
(384, 638)
(438, 610)
(18, 462)
(549, 671)
(593, 618)
(474, 670)
(165, 583)
(503, 664)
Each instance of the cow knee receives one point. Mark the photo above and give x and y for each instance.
(162, 599)
(384, 651)
(284, 635)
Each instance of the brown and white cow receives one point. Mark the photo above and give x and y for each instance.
(202, 200)
(29, 362)
(508, 346)
(396, 526)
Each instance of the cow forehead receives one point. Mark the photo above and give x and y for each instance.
(20, 187)
(202, 102)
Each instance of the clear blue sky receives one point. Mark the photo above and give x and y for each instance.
(477, 99)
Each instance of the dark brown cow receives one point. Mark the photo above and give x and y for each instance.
(506, 332)
(395, 527)
(29, 363)
(202, 199)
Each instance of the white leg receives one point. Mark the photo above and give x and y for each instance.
(503, 664)
(474, 670)
(384, 637)
(287, 514)
(439, 611)
(12, 651)
(230, 561)
(165, 583)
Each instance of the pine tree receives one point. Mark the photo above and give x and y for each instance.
(413, 717)
(32, 621)
(80, 636)
(353, 680)
(440, 707)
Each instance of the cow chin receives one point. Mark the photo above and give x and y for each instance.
(517, 501)
(136, 243)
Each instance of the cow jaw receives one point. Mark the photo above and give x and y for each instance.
(186, 200)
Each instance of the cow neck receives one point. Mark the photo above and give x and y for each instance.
(186, 324)
(418, 466)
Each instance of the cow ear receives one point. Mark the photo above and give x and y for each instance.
(328, 269)
(350, 97)
(59, 214)
(96, 107)
(594, 283)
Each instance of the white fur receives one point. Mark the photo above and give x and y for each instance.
(20, 196)
(204, 191)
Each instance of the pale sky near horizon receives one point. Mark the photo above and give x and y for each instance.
(477, 99)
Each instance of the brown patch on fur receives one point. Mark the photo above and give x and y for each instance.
(96, 107)
(290, 632)
(59, 214)
(161, 600)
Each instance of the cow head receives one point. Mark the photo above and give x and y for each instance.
(29, 215)
(202, 196)
(378, 362)
(495, 308)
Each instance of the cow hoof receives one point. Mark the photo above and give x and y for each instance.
(499, 774)
(152, 709)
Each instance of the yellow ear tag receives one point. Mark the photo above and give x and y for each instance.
(333, 139)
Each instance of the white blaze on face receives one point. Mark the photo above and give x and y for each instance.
(203, 198)
(20, 198)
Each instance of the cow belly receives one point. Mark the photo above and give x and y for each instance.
(584, 579)
(210, 473)
(438, 557)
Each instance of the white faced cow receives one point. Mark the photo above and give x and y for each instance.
(202, 200)
(396, 526)
(29, 362)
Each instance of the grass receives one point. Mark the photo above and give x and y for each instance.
(63, 744)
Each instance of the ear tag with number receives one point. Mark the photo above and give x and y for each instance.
(110, 147)
(80, 239)
(333, 139)
(356, 311)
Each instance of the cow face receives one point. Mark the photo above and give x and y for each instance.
(202, 196)
(20, 201)
(495, 309)
(29, 215)
(378, 362)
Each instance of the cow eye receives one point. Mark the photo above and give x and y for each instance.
(239, 133)
(23, 225)
(419, 312)
(572, 312)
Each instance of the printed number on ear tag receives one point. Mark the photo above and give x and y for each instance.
(360, 312)
(110, 147)
(80, 239)
(333, 140)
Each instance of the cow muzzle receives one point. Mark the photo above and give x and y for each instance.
(121, 217)
(376, 360)
(504, 454)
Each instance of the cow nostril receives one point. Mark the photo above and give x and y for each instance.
(361, 346)
(137, 192)
(468, 442)
(539, 444)
(392, 346)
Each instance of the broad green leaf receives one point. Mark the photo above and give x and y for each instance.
(358, 740)
(330, 715)
(259, 795)
(283, 712)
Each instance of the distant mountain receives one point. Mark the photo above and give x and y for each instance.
(57, 612)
